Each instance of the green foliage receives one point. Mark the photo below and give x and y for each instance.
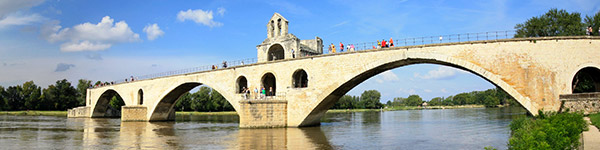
(205, 100)
(554, 23)
(595, 118)
(14, 98)
(60, 96)
(82, 87)
(116, 102)
(547, 131)
(583, 83)
(370, 99)
(31, 95)
(413, 100)
(3, 104)
(594, 22)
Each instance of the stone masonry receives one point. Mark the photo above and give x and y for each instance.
(587, 103)
(263, 113)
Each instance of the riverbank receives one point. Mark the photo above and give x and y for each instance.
(36, 113)
(432, 107)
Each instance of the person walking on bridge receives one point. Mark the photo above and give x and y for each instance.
(332, 48)
(391, 42)
(341, 47)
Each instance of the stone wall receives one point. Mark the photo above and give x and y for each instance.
(584, 102)
(82, 111)
(263, 113)
(134, 113)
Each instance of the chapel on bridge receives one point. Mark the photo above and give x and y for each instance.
(283, 45)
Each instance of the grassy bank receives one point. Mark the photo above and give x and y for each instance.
(35, 113)
(595, 118)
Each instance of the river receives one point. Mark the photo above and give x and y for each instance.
(473, 128)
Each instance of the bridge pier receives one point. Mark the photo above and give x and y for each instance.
(134, 113)
(263, 113)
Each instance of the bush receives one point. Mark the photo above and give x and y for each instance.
(547, 131)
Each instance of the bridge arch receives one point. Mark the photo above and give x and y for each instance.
(379, 66)
(275, 52)
(586, 79)
(164, 107)
(102, 104)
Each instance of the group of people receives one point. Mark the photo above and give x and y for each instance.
(348, 48)
(213, 67)
(262, 94)
(590, 30)
(100, 84)
(384, 44)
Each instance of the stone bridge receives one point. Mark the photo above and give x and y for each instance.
(535, 71)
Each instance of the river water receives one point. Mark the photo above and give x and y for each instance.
(412, 129)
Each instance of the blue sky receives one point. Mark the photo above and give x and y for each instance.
(48, 40)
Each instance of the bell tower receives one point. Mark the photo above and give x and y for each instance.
(283, 45)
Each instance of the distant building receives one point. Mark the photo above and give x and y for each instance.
(279, 42)
(424, 104)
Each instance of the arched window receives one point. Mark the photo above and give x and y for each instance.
(242, 83)
(275, 53)
(141, 97)
(300, 79)
(586, 80)
(268, 82)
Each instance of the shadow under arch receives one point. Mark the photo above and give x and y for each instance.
(315, 115)
(164, 109)
(103, 104)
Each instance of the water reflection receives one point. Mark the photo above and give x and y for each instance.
(282, 138)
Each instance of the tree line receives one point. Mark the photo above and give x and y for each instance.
(59, 96)
(558, 23)
(205, 99)
(489, 98)
(369, 99)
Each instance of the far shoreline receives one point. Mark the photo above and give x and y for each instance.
(178, 113)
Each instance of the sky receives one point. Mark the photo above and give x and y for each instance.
(106, 40)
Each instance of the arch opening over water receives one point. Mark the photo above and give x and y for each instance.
(108, 105)
(205, 99)
(331, 98)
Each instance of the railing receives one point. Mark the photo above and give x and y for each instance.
(494, 35)
(450, 38)
(188, 70)
(256, 96)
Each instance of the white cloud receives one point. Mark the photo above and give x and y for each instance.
(153, 31)
(441, 72)
(444, 90)
(11, 15)
(387, 76)
(15, 19)
(200, 16)
(90, 37)
(427, 90)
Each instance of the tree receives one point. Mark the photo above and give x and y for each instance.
(82, 87)
(594, 22)
(436, 101)
(116, 102)
(14, 98)
(371, 99)
(345, 102)
(553, 23)
(31, 95)
(461, 99)
(491, 101)
(219, 102)
(184, 102)
(200, 99)
(3, 104)
(60, 96)
(413, 100)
